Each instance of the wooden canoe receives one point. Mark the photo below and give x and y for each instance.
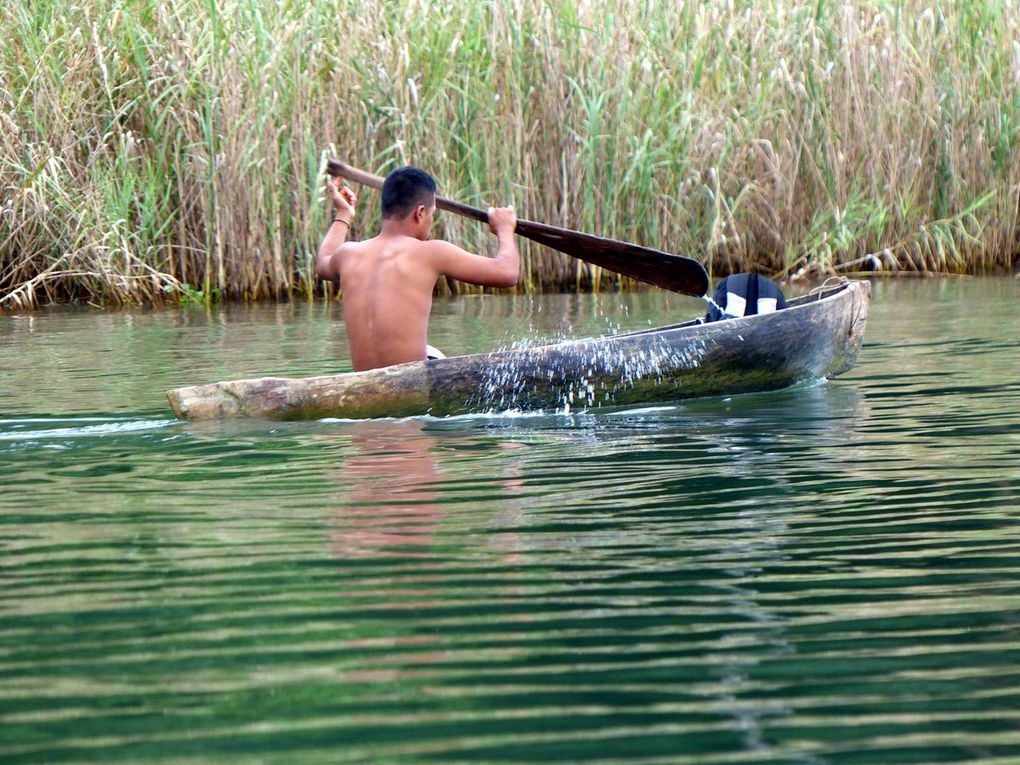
(818, 335)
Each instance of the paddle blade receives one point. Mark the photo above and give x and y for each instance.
(672, 272)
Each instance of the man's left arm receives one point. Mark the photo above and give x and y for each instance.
(344, 201)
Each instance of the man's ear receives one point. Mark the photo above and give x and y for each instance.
(419, 213)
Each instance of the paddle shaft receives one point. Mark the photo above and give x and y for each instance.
(338, 168)
(672, 272)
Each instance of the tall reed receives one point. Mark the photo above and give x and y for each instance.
(150, 150)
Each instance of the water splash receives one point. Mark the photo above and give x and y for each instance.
(582, 374)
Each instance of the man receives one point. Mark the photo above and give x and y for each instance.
(388, 280)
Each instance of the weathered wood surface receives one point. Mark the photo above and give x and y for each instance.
(816, 336)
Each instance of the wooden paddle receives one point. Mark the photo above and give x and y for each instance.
(672, 272)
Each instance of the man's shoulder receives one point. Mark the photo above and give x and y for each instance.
(435, 243)
(437, 251)
(441, 247)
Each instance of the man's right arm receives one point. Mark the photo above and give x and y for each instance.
(344, 201)
(500, 271)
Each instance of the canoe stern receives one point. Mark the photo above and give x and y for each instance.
(397, 391)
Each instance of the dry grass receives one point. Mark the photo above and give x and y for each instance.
(160, 150)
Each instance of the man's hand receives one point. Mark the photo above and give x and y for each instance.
(502, 220)
(344, 200)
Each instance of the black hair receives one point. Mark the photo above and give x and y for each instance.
(404, 189)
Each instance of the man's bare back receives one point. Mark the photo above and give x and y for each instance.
(388, 280)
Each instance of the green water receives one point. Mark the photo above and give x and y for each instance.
(828, 574)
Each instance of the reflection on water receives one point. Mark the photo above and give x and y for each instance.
(388, 506)
(822, 574)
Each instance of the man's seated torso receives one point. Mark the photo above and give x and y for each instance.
(387, 296)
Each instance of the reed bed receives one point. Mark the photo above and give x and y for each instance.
(175, 150)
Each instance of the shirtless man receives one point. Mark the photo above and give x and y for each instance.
(388, 280)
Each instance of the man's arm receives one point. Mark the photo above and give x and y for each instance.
(500, 271)
(344, 201)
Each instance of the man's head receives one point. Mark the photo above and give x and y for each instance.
(409, 192)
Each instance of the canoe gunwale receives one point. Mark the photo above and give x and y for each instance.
(816, 295)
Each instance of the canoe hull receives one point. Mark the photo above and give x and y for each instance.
(817, 336)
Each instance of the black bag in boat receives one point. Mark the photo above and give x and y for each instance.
(745, 295)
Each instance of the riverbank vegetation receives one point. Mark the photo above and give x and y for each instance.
(157, 151)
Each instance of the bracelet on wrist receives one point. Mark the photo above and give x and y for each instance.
(341, 220)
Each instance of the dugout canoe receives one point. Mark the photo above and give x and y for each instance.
(816, 336)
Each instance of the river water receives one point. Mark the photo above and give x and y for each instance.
(826, 574)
